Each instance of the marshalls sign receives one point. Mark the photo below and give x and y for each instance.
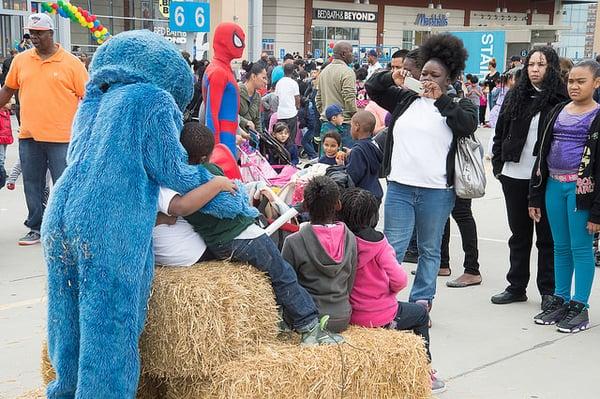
(482, 47)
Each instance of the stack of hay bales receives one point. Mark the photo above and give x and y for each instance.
(212, 332)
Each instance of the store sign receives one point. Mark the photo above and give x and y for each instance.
(163, 7)
(344, 15)
(482, 47)
(172, 36)
(432, 20)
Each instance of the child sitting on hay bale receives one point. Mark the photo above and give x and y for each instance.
(379, 276)
(241, 239)
(323, 253)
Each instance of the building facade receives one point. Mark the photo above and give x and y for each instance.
(304, 26)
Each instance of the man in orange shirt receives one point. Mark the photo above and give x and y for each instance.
(51, 81)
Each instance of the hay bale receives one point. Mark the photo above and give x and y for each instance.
(39, 393)
(148, 387)
(206, 315)
(187, 388)
(48, 373)
(374, 363)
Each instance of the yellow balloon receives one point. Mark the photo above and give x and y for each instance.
(97, 34)
(100, 41)
(90, 25)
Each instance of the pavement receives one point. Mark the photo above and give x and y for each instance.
(482, 350)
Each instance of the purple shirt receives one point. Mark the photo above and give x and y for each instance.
(570, 135)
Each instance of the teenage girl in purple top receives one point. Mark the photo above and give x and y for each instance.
(564, 176)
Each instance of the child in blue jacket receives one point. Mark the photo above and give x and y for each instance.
(364, 160)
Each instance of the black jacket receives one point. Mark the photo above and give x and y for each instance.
(589, 169)
(461, 116)
(511, 133)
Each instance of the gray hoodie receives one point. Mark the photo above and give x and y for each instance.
(328, 282)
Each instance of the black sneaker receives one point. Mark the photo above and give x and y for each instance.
(554, 311)
(575, 320)
(545, 301)
(411, 257)
(30, 238)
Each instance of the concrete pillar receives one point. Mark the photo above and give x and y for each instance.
(254, 34)
(596, 48)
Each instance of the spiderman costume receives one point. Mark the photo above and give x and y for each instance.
(219, 87)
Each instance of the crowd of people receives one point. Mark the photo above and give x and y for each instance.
(366, 121)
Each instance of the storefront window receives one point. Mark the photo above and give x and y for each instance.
(17, 5)
(323, 36)
(408, 39)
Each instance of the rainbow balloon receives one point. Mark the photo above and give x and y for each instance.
(80, 16)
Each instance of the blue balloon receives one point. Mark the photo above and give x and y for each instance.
(96, 23)
(62, 13)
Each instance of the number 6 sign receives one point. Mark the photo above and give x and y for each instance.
(189, 17)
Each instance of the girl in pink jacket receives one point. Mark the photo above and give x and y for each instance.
(379, 277)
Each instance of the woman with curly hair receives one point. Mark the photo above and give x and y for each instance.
(419, 154)
(521, 123)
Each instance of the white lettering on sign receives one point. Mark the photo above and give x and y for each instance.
(173, 37)
(343, 15)
(485, 56)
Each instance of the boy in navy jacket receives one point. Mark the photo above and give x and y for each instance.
(365, 158)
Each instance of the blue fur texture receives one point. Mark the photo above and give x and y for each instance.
(97, 228)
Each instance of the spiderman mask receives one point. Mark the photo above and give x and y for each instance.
(229, 41)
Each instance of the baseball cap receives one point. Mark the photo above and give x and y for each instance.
(39, 21)
(515, 58)
(332, 111)
(373, 53)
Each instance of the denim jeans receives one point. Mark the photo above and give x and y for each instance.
(2, 162)
(298, 306)
(427, 209)
(573, 244)
(36, 158)
(411, 316)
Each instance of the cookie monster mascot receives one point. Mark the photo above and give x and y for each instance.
(219, 87)
(97, 228)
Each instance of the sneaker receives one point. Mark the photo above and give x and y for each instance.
(437, 384)
(411, 257)
(318, 335)
(555, 310)
(30, 238)
(575, 320)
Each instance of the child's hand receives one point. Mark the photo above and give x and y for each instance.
(10, 186)
(225, 184)
(340, 158)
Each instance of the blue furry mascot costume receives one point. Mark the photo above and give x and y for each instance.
(98, 225)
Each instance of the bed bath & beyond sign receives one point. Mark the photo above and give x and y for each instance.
(344, 15)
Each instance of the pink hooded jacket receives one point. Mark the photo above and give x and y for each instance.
(379, 277)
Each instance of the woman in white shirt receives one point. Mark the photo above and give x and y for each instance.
(419, 154)
(521, 123)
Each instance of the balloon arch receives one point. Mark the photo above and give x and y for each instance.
(80, 16)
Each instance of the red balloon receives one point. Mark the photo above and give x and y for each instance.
(100, 27)
(92, 18)
(55, 6)
(85, 14)
(79, 9)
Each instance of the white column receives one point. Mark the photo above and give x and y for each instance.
(255, 23)
(63, 32)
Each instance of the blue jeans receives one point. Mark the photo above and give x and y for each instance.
(298, 306)
(573, 244)
(2, 161)
(36, 158)
(427, 209)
